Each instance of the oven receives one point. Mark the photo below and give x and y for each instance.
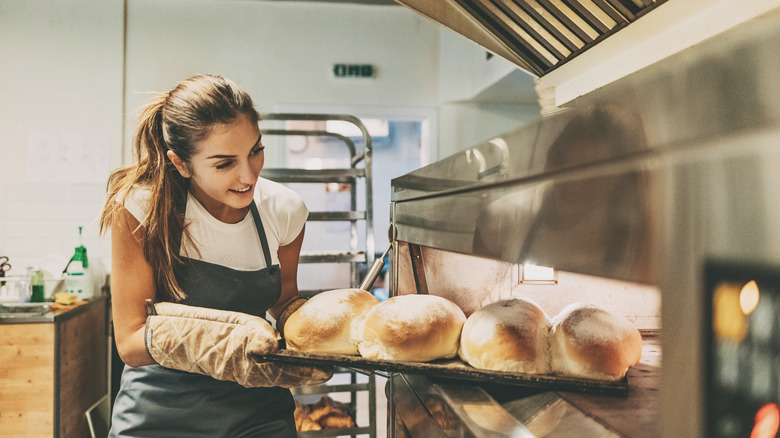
(656, 197)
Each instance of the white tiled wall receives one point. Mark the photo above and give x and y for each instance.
(39, 226)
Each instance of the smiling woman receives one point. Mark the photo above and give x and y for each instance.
(202, 248)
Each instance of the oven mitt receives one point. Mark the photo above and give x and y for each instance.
(218, 343)
(287, 312)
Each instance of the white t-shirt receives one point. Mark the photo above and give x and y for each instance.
(237, 246)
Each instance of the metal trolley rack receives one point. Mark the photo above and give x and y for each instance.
(356, 256)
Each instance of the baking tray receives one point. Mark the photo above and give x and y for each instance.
(451, 369)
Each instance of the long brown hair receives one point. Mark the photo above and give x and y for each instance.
(174, 120)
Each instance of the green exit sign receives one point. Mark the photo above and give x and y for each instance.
(353, 70)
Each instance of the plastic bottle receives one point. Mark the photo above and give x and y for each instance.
(23, 288)
(78, 280)
(36, 280)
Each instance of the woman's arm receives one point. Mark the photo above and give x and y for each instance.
(288, 262)
(132, 282)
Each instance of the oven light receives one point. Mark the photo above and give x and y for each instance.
(767, 422)
(530, 273)
(728, 320)
(748, 297)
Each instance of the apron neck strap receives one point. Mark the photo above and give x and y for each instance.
(261, 233)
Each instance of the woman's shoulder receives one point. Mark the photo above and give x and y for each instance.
(279, 200)
(269, 192)
(136, 200)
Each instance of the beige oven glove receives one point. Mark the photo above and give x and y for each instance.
(287, 312)
(218, 343)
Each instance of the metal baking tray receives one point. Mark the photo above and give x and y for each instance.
(451, 369)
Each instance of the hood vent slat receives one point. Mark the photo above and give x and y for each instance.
(537, 35)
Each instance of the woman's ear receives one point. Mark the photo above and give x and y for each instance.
(181, 166)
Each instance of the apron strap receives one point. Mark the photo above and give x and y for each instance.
(261, 233)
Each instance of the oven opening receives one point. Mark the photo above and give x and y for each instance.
(743, 356)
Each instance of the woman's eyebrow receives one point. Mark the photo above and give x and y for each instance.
(260, 137)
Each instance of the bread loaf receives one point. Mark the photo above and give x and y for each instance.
(507, 335)
(591, 342)
(417, 328)
(329, 322)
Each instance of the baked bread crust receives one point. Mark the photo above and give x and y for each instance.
(418, 328)
(507, 335)
(329, 322)
(591, 342)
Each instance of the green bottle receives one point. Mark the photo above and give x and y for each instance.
(36, 281)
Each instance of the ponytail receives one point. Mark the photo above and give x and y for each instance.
(163, 225)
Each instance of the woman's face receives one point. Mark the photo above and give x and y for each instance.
(224, 169)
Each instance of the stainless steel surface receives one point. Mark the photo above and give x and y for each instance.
(550, 415)
(537, 35)
(565, 177)
(667, 169)
(412, 398)
(313, 175)
(375, 270)
(44, 314)
(348, 175)
(23, 310)
(480, 413)
(332, 257)
(432, 409)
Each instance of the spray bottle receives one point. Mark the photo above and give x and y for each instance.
(78, 280)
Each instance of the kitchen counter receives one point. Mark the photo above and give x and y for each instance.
(54, 313)
(54, 368)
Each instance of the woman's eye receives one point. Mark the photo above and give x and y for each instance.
(224, 165)
(257, 150)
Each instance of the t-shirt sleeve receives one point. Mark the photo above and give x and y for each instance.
(283, 208)
(137, 202)
(297, 213)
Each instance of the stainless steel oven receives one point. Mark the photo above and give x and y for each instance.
(646, 196)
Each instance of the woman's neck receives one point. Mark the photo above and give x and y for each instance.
(220, 211)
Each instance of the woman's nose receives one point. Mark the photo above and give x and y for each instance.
(247, 173)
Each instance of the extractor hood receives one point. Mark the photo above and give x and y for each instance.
(536, 35)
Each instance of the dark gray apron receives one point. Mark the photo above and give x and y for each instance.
(158, 402)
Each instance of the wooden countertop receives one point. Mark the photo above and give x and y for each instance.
(57, 313)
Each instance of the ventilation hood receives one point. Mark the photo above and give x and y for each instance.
(536, 35)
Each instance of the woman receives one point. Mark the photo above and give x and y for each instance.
(193, 224)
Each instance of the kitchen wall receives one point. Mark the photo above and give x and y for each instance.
(73, 74)
(60, 125)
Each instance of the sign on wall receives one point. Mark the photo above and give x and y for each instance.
(353, 70)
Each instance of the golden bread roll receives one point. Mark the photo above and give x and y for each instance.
(417, 328)
(302, 421)
(591, 342)
(337, 420)
(507, 335)
(329, 322)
